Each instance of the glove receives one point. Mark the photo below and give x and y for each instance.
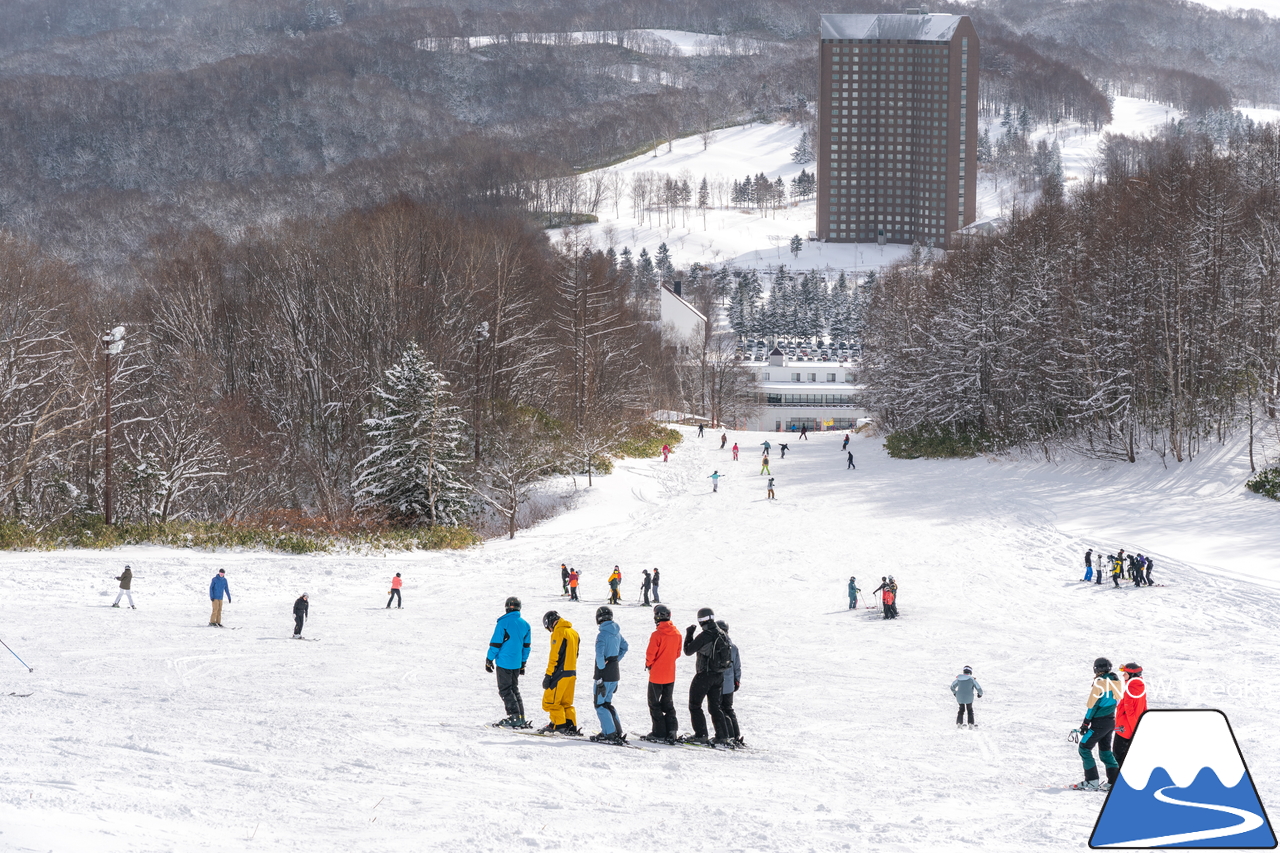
(599, 688)
(688, 632)
(1084, 727)
(522, 669)
(548, 681)
(736, 684)
(488, 665)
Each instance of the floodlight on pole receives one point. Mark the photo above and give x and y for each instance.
(112, 344)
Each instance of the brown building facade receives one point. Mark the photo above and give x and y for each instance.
(897, 128)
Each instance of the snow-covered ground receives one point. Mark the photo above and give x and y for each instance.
(149, 731)
(651, 41)
(745, 238)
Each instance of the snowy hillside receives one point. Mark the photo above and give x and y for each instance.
(751, 239)
(149, 731)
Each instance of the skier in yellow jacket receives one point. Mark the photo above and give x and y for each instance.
(561, 677)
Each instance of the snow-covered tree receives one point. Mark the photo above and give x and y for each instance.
(413, 474)
(797, 245)
(803, 152)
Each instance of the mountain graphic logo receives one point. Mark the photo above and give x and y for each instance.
(1183, 784)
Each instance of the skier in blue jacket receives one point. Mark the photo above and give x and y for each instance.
(610, 648)
(509, 648)
(964, 688)
(217, 589)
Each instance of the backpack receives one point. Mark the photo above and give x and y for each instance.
(721, 657)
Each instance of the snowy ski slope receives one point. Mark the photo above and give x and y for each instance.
(149, 731)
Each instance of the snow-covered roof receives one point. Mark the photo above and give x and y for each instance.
(906, 27)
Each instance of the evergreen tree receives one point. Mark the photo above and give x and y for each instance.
(984, 147)
(646, 277)
(803, 152)
(704, 195)
(413, 473)
(797, 245)
(662, 262)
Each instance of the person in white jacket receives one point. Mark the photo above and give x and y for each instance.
(964, 688)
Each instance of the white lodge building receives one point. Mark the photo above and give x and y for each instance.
(797, 393)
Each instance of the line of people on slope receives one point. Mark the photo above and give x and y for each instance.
(718, 674)
(571, 578)
(1110, 719)
(1137, 567)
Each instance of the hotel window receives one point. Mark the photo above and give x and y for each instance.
(795, 377)
(813, 377)
(831, 377)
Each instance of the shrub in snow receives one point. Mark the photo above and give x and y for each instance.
(412, 475)
(1266, 482)
(940, 441)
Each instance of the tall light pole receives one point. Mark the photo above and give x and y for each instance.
(482, 334)
(112, 344)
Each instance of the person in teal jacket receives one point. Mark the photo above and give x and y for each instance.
(509, 649)
(853, 593)
(1098, 727)
(610, 648)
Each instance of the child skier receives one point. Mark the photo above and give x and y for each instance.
(1099, 726)
(964, 688)
(610, 648)
(561, 676)
(509, 649)
(1129, 710)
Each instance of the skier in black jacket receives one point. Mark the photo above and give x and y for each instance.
(645, 585)
(708, 680)
(299, 615)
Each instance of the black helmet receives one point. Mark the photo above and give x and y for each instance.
(603, 614)
(1132, 669)
(513, 603)
(550, 619)
(661, 613)
(968, 670)
(723, 625)
(1101, 665)
(706, 614)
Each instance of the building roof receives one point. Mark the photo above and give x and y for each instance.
(685, 302)
(906, 27)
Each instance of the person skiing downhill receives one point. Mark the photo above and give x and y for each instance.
(845, 446)
(300, 608)
(1132, 705)
(1088, 565)
(611, 648)
(732, 681)
(509, 651)
(850, 464)
(615, 581)
(735, 451)
(645, 585)
(126, 587)
(573, 584)
(561, 676)
(764, 466)
(656, 577)
(782, 450)
(660, 661)
(964, 688)
(724, 437)
(770, 487)
(217, 589)
(666, 451)
(396, 583)
(853, 593)
(1099, 726)
(715, 480)
(700, 428)
(713, 657)
(766, 445)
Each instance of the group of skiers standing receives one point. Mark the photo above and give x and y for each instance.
(570, 578)
(1136, 567)
(888, 592)
(718, 673)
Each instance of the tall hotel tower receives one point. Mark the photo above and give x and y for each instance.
(898, 127)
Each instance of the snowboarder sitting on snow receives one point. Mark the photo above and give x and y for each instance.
(299, 615)
(1132, 705)
(610, 649)
(660, 660)
(561, 677)
(1098, 727)
(964, 688)
(126, 584)
(853, 593)
(732, 681)
(509, 649)
(714, 656)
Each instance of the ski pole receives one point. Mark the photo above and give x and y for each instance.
(15, 654)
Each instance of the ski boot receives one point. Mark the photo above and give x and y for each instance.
(115, 605)
(723, 742)
(1088, 785)
(656, 738)
(740, 742)
(696, 740)
(548, 729)
(568, 729)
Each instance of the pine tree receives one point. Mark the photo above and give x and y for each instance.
(412, 475)
(797, 245)
(646, 277)
(704, 195)
(803, 152)
(984, 147)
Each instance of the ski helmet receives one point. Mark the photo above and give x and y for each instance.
(603, 614)
(968, 670)
(1101, 665)
(706, 614)
(550, 619)
(1132, 669)
(723, 625)
(661, 613)
(513, 603)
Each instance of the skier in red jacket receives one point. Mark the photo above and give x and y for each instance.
(1130, 708)
(665, 646)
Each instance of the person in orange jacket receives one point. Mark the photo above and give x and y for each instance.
(396, 583)
(561, 676)
(1132, 705)
(573, 584)
(665, 647)
(615, 581)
